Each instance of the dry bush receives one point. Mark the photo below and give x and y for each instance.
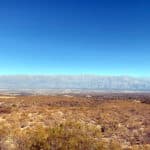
(70, 135)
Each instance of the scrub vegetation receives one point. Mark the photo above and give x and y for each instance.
(73, 123)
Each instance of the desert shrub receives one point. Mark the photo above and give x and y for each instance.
(4, 130)
(70, 135)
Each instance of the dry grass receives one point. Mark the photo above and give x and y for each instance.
(62, 123)
(7, 97)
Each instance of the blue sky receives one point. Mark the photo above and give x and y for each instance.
(106, 37)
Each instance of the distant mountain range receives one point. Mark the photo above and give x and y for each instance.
(89, 82)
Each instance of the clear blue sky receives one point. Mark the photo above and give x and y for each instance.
(107, 37)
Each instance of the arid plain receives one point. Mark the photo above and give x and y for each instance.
(75, 122)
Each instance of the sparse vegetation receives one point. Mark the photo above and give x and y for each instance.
(73, 123)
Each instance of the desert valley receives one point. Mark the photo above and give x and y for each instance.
(75, 121)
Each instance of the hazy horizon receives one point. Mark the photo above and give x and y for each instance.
(91, 82)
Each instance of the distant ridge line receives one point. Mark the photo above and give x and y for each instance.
(81, 82)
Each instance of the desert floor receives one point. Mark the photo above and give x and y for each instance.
(73, 122)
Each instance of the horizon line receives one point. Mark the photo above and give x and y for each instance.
(76, 74)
